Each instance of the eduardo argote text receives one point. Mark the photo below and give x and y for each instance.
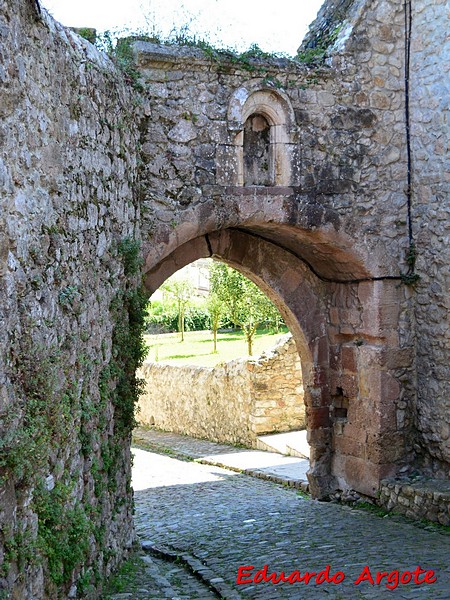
(390, 579)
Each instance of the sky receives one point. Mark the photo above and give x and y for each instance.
(275, 26)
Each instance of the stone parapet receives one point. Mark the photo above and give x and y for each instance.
(417, 498)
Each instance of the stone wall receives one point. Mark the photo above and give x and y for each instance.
(68, 215)
(430, 135)
(276, 389)
(231, 403)
(339, 140)
(417, 498)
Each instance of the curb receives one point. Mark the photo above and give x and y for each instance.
(199, 569)
(298, 484)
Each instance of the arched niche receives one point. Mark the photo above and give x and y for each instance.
(262, 121)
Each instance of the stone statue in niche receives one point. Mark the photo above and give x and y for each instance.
(257, 151)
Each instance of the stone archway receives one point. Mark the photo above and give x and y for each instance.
(346, 334)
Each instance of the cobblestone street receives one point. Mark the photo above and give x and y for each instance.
(217, 520)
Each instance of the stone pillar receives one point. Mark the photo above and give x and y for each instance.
(369, 435)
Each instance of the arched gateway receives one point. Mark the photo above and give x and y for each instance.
(275, 182)
(324, 179)
(344, 323)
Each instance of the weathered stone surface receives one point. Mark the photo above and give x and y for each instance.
(417, 498)
(67, 198)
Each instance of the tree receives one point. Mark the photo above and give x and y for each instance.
(215, 309)
(274, 318)
(254, 308)
(162, 316)
(227, 284)
(181, 290)
(245, 304)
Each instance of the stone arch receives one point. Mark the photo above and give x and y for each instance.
(301, 299)
(344, 320)
(275, 108)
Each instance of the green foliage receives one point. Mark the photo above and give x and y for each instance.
(119, 47)
(162, 316)
(245, 304)
(42, 423)
(254, 309)
(181, 290)
(216, 309)
(228, 285)
(313, 56)
(130, 250)
(189, 116)
(253, 60)
(272, 81)
(121, 53)
(372, 508)
(88, 33)
(129, 350)
(197, 316)
(20, 548)
(316, 55)
(63, 531)
(411, 256)
(131, 571)
(55, 401)
(197, 348)
(68, 295)
(410, 278)
(128, 311)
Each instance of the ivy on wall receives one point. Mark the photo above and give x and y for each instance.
(59, 399)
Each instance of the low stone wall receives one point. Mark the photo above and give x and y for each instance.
(230, 403)
(276, 389)
(422, 499)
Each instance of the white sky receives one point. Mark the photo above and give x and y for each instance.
(276, 26)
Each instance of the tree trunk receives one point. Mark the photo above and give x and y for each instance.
(249, 343)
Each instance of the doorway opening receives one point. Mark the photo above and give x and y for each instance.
(222, 363)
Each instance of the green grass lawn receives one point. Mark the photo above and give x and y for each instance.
(197, 348)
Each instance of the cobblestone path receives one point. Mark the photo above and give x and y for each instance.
(227, 520)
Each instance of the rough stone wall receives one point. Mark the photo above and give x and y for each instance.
(417, 498)
(345, 144)
(67, 175)
(430, 135)
(213, 404)
(276, 389)
(231, 403)
(376, 35)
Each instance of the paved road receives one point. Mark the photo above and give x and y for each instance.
(228, 520)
